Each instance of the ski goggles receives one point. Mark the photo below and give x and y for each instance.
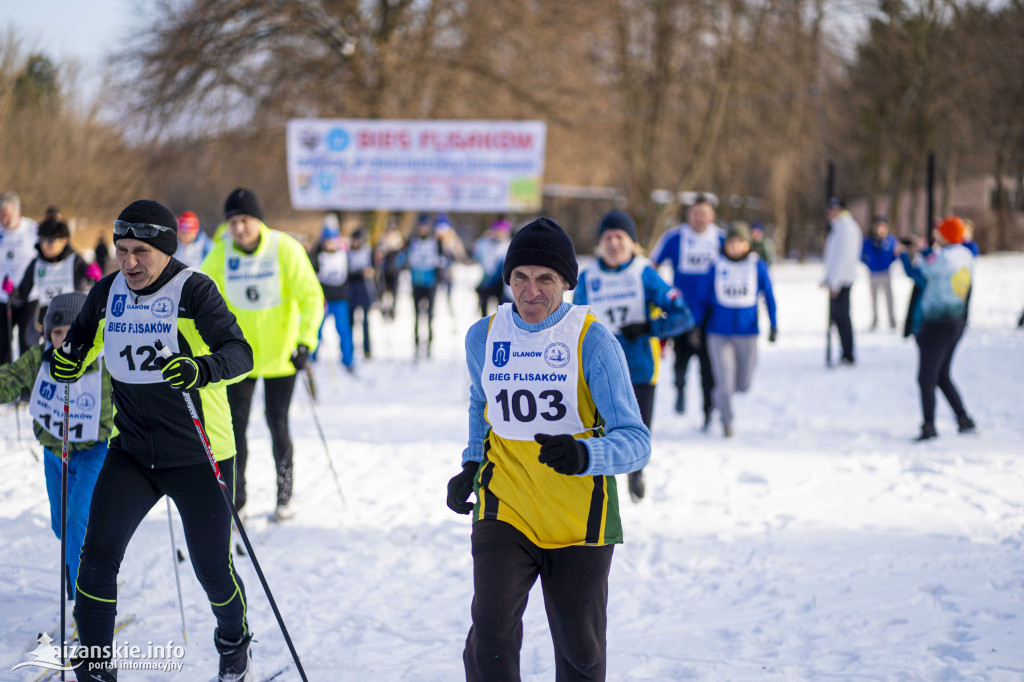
(139, 230)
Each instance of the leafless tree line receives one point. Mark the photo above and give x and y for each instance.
(748, 99)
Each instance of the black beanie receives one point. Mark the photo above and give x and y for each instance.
(53, 229)
(152, 212)
(243, 202)
(543, 242)
(617, 220)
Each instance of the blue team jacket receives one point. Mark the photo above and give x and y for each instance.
(734, 321)
(878, 256)
(675, 318)
(688, 284)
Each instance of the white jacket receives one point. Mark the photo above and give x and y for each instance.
(842, 251)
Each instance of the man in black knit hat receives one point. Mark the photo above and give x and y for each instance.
(552, 419)
(156, 451)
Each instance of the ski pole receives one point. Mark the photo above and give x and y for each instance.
(828, 333)
(177, 574)
(323, 439)
(165, 353)
(63, 520)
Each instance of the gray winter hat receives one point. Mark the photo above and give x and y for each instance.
(64, 308)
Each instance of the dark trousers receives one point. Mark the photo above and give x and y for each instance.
(839, 315)
(125, 492)
(936, 342)
(359, 297)
(22, 317)
(488, 293)
(645, 399)
(423, 302)
(278, 398)
(684, 350)
(574, 581)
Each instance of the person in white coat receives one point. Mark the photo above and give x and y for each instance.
(842, 256)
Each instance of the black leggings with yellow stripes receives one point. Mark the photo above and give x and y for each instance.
(125, 492)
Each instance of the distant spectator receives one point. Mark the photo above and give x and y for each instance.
(18, 237)
(878, 253)
(842, 248)
(761, 244)
(193, 244)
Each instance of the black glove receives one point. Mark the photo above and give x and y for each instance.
(563, 453)
(64, 367)
(634, 331)
(300, 357)
(183, 373)
(460, 487)
(773, 333)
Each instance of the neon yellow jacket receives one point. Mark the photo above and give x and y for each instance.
(276, 331)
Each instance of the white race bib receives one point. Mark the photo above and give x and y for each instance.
(617, 298)
(17, 249)
(530, 378)
(47, 405)
(697, 251)
(360, 259)
(135, 323)
(423, 254)
(333, 267)
(52, 279)
(253, 281)
(736, 282)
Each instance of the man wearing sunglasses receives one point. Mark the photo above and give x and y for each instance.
(155, 451)
(271, 287)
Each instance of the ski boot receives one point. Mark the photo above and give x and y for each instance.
(235, 658)
(927, 432)
(965, 424)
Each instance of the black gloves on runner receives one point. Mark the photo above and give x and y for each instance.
(634, 331)
(773, 333)
(64, 367)
(300, 357)
(460, 487)
(183, 373)
(563, 453)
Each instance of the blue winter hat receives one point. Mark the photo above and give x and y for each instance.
(617, 220)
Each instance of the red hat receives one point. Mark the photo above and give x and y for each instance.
(952, 229)
(188, 222)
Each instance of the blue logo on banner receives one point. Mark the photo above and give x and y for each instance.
(501, 352)
(162, 307)
(233, 263)
(337, 139)
(117, 307)
(85, 401)
(326, 180)
(47, 390)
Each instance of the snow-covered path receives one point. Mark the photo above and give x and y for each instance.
(818, 543)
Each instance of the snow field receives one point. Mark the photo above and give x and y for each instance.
(818, 543)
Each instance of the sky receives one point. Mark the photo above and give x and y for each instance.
(70, 29)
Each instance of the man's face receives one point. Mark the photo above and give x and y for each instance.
(736, 248)
(245, 231)
(187, 236)
(616, 247)
(51, 247)
(881, 230)
(832, 211)
(139, 262)
(9, 215)
(700, 216)
(537, 291)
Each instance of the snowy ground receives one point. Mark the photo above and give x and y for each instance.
(818, 543)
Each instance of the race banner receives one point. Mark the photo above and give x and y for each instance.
(468, 166)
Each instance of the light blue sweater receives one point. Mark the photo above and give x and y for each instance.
(626, 445)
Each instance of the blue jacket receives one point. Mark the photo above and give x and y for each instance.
(673, 319)
(627, 443)
(879, 255)
(731, 321)
(945, 276)
(668, 250)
